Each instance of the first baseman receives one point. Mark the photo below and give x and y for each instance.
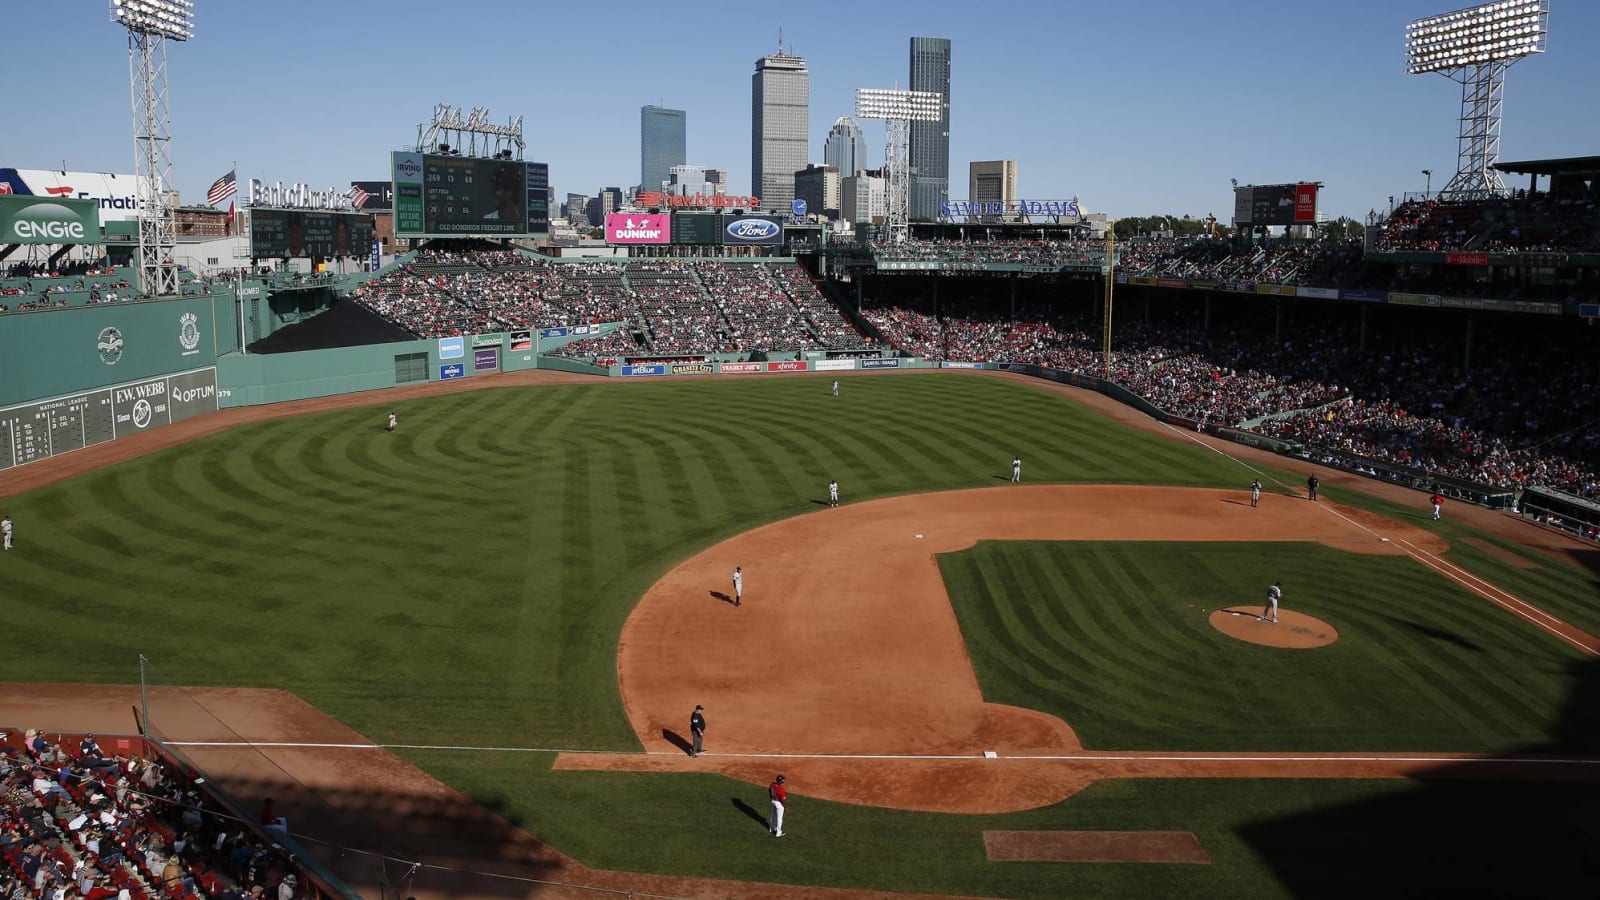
(738, 586)
(779, 796)
(1274, 594)
(833, 493)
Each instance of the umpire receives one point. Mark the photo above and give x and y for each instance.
(697, 728)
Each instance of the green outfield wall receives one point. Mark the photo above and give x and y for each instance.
(57, 352)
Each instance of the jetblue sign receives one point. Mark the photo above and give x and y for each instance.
(752, 230)
(956, 209)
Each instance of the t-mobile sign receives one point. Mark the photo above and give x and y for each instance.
(638, 228)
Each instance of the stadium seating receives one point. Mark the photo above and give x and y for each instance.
(76, 820)
(1523, 222)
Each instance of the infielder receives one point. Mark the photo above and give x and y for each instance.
(1016, 470)
(393, 423)
(738, 586)
(1274, 594)
(1255, 493)
(836, 387)
(833, 493)
(5, 531)
(1438, 501)
(779, 796)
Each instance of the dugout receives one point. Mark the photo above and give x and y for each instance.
(1559, 509)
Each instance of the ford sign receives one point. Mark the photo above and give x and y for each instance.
(753, 231)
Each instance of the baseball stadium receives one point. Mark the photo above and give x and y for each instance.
(409, 571)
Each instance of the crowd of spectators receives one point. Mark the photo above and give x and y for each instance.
(1516, 418)
(1522, 222)
(669, 306)
(77, 822)
(985, 252)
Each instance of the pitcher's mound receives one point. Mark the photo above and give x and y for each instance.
(1293, 630)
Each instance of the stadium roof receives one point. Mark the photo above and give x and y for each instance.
(1571, 165)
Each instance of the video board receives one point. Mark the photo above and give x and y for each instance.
(1276, 204)
(34, 431)
(696, 228)
(458, 196)
(304, 234)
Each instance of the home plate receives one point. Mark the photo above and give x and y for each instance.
(919, 537)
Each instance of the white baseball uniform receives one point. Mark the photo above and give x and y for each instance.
(393, 422)
(1274, 594)
(5, 531)
(836, 388)
(1016, 470)
(738, 585)
(833, 493)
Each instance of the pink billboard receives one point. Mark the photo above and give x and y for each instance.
(638, 228)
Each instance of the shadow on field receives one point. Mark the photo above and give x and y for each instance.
(721, 596)
(1235, 502)
(676, 740)
(819, 502)
(1507, 827)
(1438, 634)
(749, 810)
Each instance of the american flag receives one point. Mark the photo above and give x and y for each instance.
(358, 197)
(223, 188)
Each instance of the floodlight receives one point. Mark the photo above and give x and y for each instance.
(1475, 46)
(905, 106)
(172, 19)
(898, 109)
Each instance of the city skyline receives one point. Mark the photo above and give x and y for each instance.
(1187, 113)
(663, 143)
(930, 141)
(780, 127)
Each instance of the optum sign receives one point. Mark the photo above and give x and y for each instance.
(47, 220)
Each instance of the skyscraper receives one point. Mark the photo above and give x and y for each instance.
(662, 144)
(780, 127)
(992, 181)
(930, 141)
(846, 147)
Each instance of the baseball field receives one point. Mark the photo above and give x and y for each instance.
(522, 592)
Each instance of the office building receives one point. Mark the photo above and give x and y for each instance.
(846, 147)
(780, 126)
(930, 141)
(864, 197)
(993, 181)
(663, 144)
(577, 209)
(687, 181)
(819, 187)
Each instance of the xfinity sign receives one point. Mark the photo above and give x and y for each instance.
(44, 220)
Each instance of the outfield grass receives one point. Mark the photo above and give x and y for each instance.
(1114, 639)
(464, 581)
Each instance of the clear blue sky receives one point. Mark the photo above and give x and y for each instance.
(1139, 107)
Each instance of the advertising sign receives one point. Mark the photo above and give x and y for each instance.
(47, 220)
(638, 228)
(454, 196)
(1365, 296)
(960, 365)
(1272, 205)
(380, 195)
(696, 228)
(1242, 199)
(1276, 290)
(730, 368)
(453, 370)
(521, 341)
(1466, 259)
(788, 365)
(1305, 203)
(1318, 293)
(881, 362)
(488, 340)
(485, 359)
(45, 428)
(833, 365)
(553, 332)
(301, 234)
(692, 368)
(760, 230)
(451, 348)
(116, 196)
(645, 369)
(699, 201)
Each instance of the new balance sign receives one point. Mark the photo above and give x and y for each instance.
(47, 220)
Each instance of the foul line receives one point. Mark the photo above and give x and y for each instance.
(1450, 570)
(937, 757)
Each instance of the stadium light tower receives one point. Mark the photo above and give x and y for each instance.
(150, 24)
(1475, 46)
(898, 109)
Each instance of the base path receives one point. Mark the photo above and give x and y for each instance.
(847, 645)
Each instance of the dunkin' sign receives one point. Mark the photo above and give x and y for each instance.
(638, 228)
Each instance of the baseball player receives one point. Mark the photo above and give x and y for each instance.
(5, 531)
(1016, 470)
(738, 586)
(836, 387)
(779, 795)
(1437, 500)
(1311, 487)
(1274, 594)
(697, 728)
(833, 493)
(1255, 493)
(393, 423)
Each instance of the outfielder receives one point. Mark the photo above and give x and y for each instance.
(1016, 470)
(1274, 594)
(833, 494)
(1255, 493)
(393, 423)
(779, 796)
(5, 531)
(836, 387)
(738, 586)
